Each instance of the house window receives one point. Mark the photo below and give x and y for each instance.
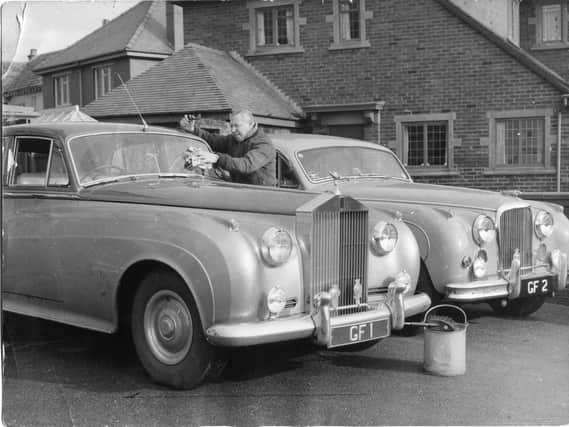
(61, 87)
(425, 141)
(519, 140)
(427, 144)
(349, 20)
(102, 79)
(514, 21)
(552, 20)
(274, 27)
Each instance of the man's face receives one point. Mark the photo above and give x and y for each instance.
(240, 127)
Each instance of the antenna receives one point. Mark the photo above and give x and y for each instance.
(134, 103)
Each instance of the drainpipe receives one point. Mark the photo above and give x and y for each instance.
(559, 151)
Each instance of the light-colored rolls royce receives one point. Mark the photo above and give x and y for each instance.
(106, 228)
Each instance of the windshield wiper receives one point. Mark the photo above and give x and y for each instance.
(110, 180)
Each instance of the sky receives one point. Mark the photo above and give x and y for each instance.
(49, 25)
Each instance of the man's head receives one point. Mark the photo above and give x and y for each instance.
(242, 125)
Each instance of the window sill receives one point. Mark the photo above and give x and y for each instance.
(432, 171)
(360, 44)
(276, 51)
(552, 46)
(519, 171)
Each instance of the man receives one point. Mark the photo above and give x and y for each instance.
(247, 153)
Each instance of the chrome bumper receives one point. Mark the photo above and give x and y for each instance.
(317, 325)
(509, 287)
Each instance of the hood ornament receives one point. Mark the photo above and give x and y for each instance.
(336, 177)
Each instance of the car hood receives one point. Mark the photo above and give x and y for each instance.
(188, 192)
(421, 194)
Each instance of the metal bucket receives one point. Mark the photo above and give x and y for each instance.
(445, 343)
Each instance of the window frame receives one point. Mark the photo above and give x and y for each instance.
(272, 49)
(99, 78)
(48, 183)
(494, 117)
(539, 28)
(336, 18)
(59, 96)
(401, 123)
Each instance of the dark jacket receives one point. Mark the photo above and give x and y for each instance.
(251, 161)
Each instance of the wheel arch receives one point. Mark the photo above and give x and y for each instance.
(193, 275)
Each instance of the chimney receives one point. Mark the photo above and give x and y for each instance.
(175, 25)
(33, 54)
(105, 22)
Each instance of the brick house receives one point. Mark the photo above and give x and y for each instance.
(126, 46)
(460, 104)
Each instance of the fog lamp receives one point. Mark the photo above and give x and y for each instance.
(276, 301)
(479, 266)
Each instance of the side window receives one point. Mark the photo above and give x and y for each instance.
(32, 159)
(58, 175)
(285, 174)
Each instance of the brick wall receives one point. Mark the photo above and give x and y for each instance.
(422, 59)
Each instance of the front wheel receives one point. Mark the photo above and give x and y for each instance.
(167, 332)
(521, 307)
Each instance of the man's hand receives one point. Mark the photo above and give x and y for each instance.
(188, 124)
(200, 159)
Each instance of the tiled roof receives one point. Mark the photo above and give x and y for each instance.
(141, 28)
(26, 78)
(521, 55)
(196, 79)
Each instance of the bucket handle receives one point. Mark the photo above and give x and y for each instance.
(448, 306)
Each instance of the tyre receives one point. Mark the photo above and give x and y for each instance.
(426, 286)
(521, 307)
(167, 332)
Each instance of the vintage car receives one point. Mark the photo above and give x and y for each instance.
(475, 245)
(105, 228)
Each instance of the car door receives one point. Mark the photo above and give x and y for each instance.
(36, 184)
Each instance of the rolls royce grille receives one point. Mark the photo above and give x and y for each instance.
(339, 255)
(515, 233)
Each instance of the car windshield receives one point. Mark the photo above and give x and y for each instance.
(101, 157)
(320, 164)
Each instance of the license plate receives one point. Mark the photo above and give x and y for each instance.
(359, 332)
(538, 286)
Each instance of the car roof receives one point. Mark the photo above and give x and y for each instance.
(292, 142)
(70, 129)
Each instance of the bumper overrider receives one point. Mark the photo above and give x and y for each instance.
(517, 282)
(327, 330)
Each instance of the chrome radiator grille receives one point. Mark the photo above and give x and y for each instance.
(336, 231)
(515, 232)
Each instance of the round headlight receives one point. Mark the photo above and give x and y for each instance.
(543, 224)
(276, 300)
(483, 230)
(276, 246)
(384, 237)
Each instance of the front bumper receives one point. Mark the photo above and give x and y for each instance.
(319, 324)
(509, 287)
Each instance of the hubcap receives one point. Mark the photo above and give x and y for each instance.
(168, 327)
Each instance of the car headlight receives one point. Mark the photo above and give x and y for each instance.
(483, 229)
(276, 301)
(276, 246)
(479, 266)
(384, 237)
(543, 224)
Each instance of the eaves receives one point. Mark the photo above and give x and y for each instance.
(99, 59)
